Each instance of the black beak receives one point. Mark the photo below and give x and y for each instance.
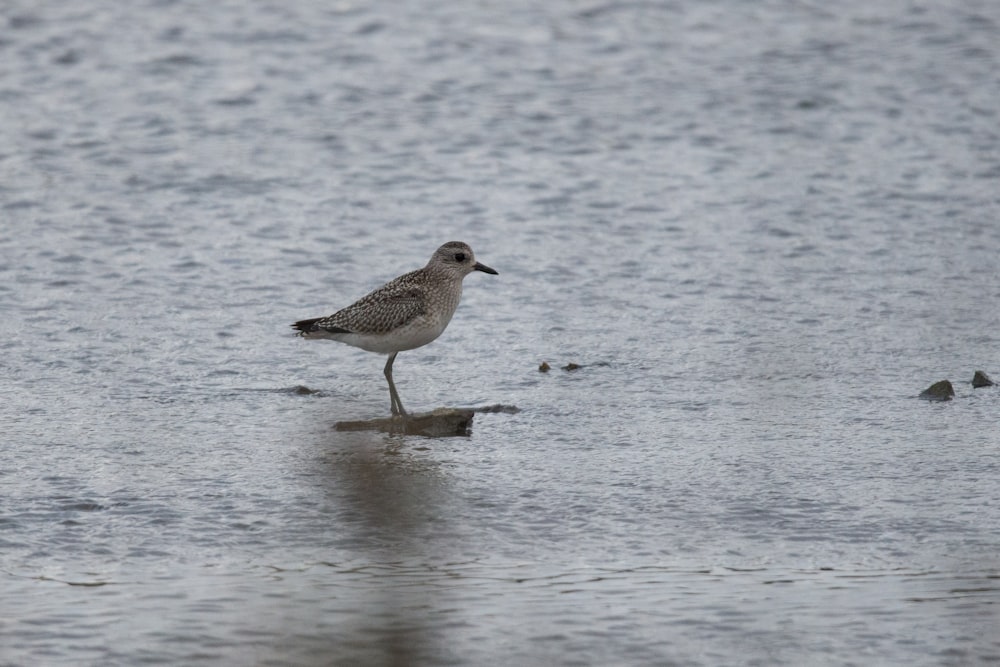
(485, 269)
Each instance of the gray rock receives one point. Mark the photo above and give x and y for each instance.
(939, 391)
(981, 379)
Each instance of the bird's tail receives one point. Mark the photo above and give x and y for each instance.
(305, 327)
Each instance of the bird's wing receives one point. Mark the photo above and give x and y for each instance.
(391, 306)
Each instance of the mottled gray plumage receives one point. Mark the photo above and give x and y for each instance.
(387, 308)
(403, 314)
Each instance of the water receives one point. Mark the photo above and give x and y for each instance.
(760, 228)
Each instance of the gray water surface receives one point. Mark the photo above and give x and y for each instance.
(760, 228)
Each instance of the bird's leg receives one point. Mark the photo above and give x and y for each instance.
(397, 405)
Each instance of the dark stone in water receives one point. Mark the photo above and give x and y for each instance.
(981, 379)
(939, 391)
(571, 366)
(440, 423)
(499, 407)
(544, 367)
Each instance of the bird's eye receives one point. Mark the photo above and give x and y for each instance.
(459, 256)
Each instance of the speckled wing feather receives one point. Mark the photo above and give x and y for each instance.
(391, 306)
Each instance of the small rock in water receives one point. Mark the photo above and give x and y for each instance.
(939, 391)
(440, 423)
(571, 367)
(544, 367)
(981, 379)
(498, 408)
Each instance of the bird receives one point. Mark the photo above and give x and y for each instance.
(406, 313)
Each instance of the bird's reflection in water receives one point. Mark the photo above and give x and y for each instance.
(391, 500)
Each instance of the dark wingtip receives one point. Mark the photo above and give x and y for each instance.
(305, 326)
(310, 326)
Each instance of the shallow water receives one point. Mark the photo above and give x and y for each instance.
(760, 229)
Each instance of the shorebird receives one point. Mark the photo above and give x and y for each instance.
(405, 313)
